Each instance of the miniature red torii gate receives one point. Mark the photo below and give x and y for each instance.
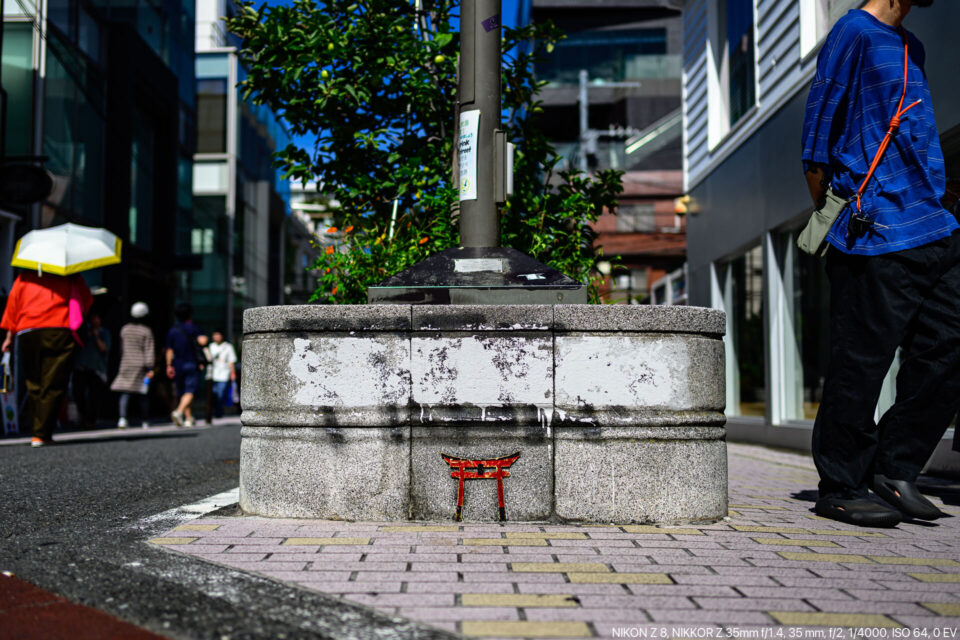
(478, 471)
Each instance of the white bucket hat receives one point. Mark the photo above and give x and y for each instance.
(139, 310)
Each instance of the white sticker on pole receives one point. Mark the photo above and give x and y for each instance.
(469, 131)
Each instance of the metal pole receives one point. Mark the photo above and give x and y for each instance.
(479, 91)
(584, 105)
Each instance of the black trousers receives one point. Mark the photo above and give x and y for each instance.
(908, 299)
(47, 359)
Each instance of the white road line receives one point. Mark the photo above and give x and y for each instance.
(197, 509)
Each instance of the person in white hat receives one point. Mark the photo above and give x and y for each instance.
(137, 358)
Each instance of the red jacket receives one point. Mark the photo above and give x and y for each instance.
(40, 302)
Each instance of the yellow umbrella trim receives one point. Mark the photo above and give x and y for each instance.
(69, 269)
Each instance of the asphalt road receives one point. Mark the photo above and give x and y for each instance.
(75, 517)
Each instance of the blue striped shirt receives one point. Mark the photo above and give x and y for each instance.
(855, 92)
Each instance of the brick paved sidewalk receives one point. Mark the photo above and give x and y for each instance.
(772, 566)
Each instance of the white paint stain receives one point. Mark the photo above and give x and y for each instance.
(605, 371)
(349, 372)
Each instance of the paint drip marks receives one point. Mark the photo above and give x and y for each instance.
(347, 372)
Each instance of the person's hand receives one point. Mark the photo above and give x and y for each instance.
(171, 372)
(7, 343)
(233, 376)
(150, 374)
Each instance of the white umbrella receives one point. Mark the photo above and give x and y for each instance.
(67, 249)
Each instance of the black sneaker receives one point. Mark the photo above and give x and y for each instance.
(862, 512)
(906, 498)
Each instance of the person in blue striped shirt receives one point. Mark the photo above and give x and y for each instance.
(893, 265)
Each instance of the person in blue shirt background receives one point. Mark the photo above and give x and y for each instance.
(185, 363)
(894, 278)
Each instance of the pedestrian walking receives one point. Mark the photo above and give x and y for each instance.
(90, 370)
(223, 363)
(870, 143)
(185, 363)
(42, 312)
(137, 358)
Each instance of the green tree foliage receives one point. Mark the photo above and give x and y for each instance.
(375, 82)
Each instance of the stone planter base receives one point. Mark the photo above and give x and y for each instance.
(617, 412)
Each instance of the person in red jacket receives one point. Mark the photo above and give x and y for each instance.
(38, 315)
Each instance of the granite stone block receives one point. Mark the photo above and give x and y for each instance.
(482, 378)
(332, 473)
(482, 318)
(321, 318)
(632, 477)
(639, 318)
(326, 380)
(528, 492)
(604, 379)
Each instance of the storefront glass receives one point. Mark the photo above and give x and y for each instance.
(741, 281)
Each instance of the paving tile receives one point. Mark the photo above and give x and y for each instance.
(832, 619)
(753, 604)
(464, 587)
(171, 540)
(525, 629)
(700, 616)
(558, 567)
(943, 608)
(597, 577)
(575, 588)
(930, 562)
(867, 606)
(643, 528)
(403, 599)
(609, 614)
(686, 590)
(485, 567)
(730, 580)
(936, 577)
(197, 527)
(796, 542)
(504, 542)
(513, 577)
(792, 592)
(560, 535)
(517, 600)
(407, 576)
(346, 586)
(459, 613)
(420, 528)
(290, 542)
(823, 557)
(232, 557)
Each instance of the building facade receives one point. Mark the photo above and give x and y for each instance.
(241, 205)
(613, 101)
(747, 69)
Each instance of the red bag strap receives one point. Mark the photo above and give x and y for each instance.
(894, 122)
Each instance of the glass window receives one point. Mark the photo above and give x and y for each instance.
(636, 217)
(17, 77)
(806, 346)
(210, 177)
(88, 34)
(212, 116)
(19, 8)
(742, 291)
(141, 179)
(212, 66)
(610, 56)
(817, 17)
(740, 49)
